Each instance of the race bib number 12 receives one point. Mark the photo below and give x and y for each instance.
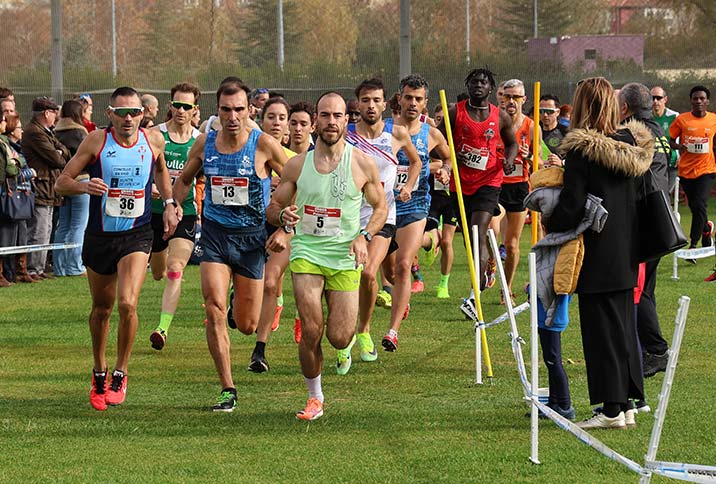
(232, 191)
(124, 203)
(320, 221)
(401, 178)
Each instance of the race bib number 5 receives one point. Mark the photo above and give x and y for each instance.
(696, 145)
(475, 158)
(320, 221)
(233, 191)
(124, 203)
(401, 178)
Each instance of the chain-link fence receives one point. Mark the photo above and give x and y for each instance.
(335, 44)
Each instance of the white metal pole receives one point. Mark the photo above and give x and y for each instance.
(405, 52)
(467, 31)
(56, 50)
(114, 41)
(663, 404)
(675, 260)
(280, 35)
(534, 416)
(478, 329)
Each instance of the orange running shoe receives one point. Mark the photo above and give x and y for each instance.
(313, 410)
(297, 330)
(98, 390)
(117, 391)
(418, 286)
(276, 318)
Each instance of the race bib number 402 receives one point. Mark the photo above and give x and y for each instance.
(124, 203)
(321, 221)
(226, 190)
(475, 158)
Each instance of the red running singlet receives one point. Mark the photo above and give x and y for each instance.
(477, 141)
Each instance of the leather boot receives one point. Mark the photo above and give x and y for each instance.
(21, 274)
(3, 282)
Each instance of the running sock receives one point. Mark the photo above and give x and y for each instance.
(415, 270)
(314, 387)
(393, 333)
(279, 300)
(611, 409)
(444, 280)
(389, 289)
(165, 319)
(231, 390)
(260, 348)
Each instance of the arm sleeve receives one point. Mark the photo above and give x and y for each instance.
(570, 208)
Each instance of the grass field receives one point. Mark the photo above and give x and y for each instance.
(412, 416)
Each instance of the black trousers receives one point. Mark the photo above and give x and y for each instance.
(697, 192)
(551, 342)
(611, 348)
(647, 320)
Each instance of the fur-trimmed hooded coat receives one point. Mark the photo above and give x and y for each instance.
(611, 168)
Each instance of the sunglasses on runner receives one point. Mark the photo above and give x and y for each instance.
(512, 97)
(181, 105)
(548, 110)
(122, 112)
(657, 98)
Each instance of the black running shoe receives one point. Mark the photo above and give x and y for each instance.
(230, 313)
(258, 363)
(225, 403)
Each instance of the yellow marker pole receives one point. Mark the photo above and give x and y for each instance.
(466, 232)
(536, 148)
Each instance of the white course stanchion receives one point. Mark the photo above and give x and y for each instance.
(505, 316)
(23, 249)
(675, 259)
(534, 415)
(478, 336)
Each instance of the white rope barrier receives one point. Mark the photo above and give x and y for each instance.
(23, 249)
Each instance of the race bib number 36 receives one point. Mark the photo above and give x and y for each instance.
(227, 190)
(124, 203)
(320, 221)
(475, 158)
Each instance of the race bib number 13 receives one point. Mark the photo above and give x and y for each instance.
(124, 203)
(320, 221)
(226, 190)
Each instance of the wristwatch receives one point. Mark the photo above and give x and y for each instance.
(287, 229)
(169, 201)
(366, 234)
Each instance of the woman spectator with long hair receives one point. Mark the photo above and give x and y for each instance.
(607, 161)
(74, 212)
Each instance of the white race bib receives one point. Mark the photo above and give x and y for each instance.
(124, 203)
(475, 158)
(232, 191)
(438, 185)
(174, 174)
(401, 178)
(696, 145)
(320, 221)
(518, 170)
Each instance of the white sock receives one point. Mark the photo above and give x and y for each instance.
(314, 387)
(393, 333)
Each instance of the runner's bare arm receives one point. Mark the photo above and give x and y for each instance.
(438, 146)
(274, 153)
(375, 196)
(86, 154)
(373, 192)
(193, 165)
(402, 136)
(172, 212)
(509, 140)
(281, 211)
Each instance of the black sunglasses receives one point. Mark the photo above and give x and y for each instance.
(657, 98)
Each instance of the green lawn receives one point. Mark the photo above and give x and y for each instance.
(412, 416)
